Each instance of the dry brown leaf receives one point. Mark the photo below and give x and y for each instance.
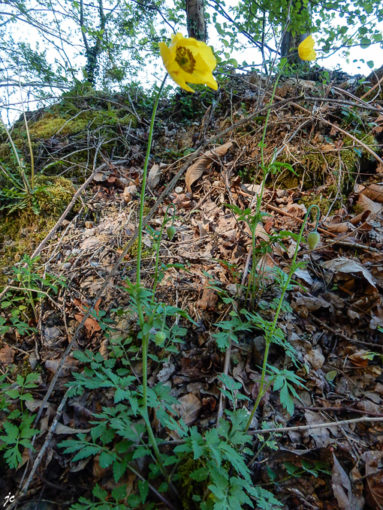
(90, 324)
(103, 350)
(374, 476)
(98, 471)
(70, 365)
(360, 218)
(366, 204)
(62, 429)
(154, 176)
(360, 358)
(339, 227)
(341, 485)
(208, 300)
(375, 192)
(195, 171)
(7, 354)
(129, 192)
(315, 358)
(320, 435)
(189, 408)
(345, 265)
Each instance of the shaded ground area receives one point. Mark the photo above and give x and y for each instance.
(327, 142)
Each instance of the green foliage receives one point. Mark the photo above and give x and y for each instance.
(117, 433)
(20, 190)
(18, 303)
(16, 430)
(314, 468)
(221, 470)
(284, 382)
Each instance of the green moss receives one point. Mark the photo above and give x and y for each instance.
(368, 139)
(133, 251)
(56, 123)
(56, 194)
(316, 165)
(189, 487)
(21, 231)
(323, 202)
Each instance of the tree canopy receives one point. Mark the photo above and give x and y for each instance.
(49, 46)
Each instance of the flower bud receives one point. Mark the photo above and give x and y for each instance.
(171, 232)
(160, 337)
(313, 239)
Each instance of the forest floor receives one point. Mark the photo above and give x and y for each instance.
(324, 449)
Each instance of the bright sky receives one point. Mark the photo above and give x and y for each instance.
(354, 64)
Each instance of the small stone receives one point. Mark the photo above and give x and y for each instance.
(166, 372)
(129, 192)
(179, 189)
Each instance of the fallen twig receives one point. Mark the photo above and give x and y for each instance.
(364, 419)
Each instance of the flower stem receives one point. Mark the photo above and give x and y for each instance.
(271, 330)
(143, 185)
(140, 309)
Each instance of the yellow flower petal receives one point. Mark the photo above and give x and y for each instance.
(306, 49)
(189, 61)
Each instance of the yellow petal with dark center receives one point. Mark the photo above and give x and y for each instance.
(306, 49)
(189, 61)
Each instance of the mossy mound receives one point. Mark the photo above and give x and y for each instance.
(68, 134)
(332, 163)
(21, 231)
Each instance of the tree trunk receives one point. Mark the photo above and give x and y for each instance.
(195, 16)
(290, 39)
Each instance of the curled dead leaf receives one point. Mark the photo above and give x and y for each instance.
(360, 218)
(360, 358)
(346, 265)
(339, 227)
(342, 488)
(195, 170)
(374, 192)
(366, 204)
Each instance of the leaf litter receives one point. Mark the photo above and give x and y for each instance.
(334, 324)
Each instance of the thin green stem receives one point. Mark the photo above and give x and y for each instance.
(143, 185)
(271, 330)
(141, 318)
(32, 181)
(267, 119)
(265, 172)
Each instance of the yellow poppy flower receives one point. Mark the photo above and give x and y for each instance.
(189, 60)
(306, 49)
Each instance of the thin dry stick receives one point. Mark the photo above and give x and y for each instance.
(370, 419)
(347, 338)
(47, 440)
(360, 104)
(377, 84)
(64, 215)
(321, 119)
